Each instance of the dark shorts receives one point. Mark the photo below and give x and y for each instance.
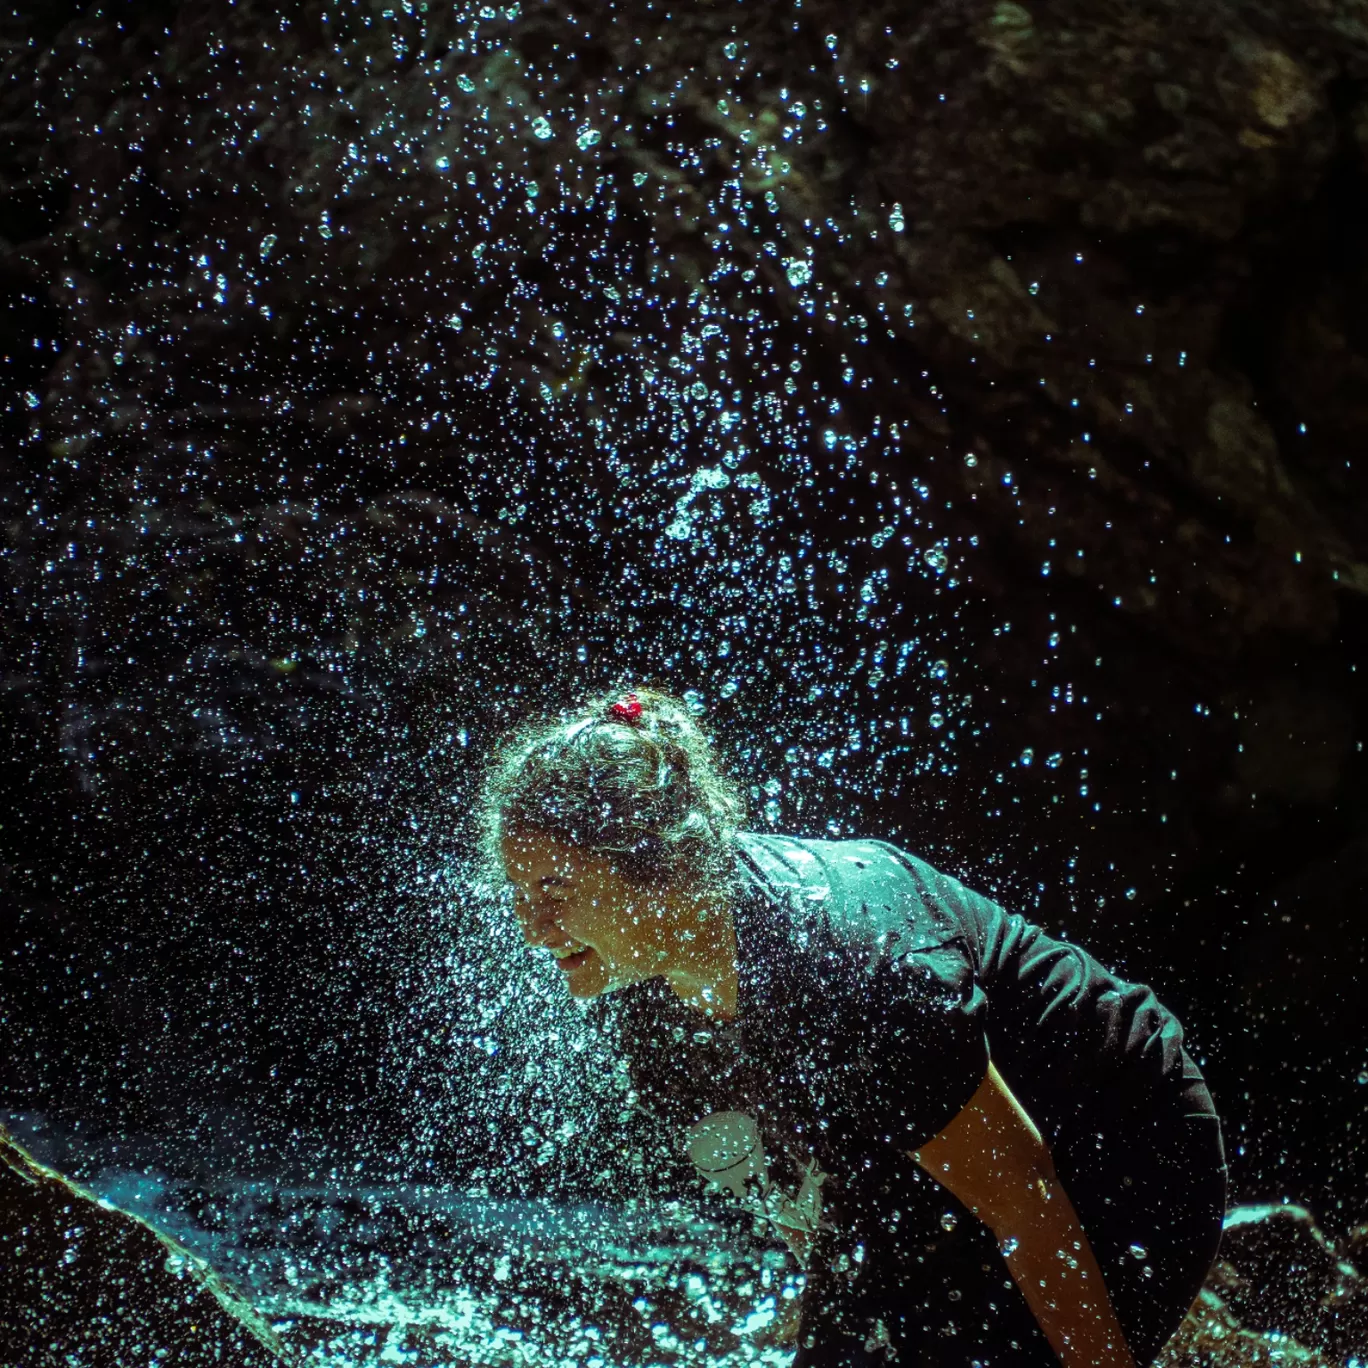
(1150, 1191)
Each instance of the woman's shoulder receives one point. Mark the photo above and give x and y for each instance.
(862, 887)
(801, 861)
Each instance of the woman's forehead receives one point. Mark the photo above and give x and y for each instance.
(531, 855)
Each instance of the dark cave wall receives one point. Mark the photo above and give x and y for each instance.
(1116, 315)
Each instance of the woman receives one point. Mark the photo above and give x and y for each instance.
(981, 1146)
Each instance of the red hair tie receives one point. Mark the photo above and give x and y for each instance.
(627, 709)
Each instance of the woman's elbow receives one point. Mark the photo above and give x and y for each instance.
(1016, 1201)
(992, 1157)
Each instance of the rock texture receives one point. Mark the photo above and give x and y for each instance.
(88, 1285)
(1287, 1276)
(338, 344)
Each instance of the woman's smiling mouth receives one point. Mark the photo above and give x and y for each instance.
(571, 956)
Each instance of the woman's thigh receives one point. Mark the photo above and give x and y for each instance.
(939, 1298)
(1151, 1196)
(1153, 1209)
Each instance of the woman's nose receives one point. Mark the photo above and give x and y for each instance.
(535, 922)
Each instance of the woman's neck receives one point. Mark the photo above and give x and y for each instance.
(704, 973)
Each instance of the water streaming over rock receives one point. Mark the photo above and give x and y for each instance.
(386, 372)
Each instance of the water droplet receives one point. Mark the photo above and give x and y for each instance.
(970, 459)
(1026, 756)
(895, 218)
(731, 51)
(693, 700)
(773, 787)
(1363, 1076)
(267, 245)
(586, 138)
(935, 720)
(949, 1220)
(1138, 1251)
(939, 669)
(465, 83)
(798, 272)
(541, 128)
(936, 559)
(1009, 1245)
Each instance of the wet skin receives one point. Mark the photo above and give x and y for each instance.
(607, 932)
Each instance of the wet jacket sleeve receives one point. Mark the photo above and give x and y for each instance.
(1067, 1033)
(1070, 1029)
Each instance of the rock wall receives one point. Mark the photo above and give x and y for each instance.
(338, 341)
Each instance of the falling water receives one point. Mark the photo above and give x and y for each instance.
(402, 370)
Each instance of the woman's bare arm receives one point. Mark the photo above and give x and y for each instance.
(992, 1157)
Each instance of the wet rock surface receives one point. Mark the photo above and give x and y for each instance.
(354, 1274)
(88, 1285)
(1285, 1275)
(323, 460)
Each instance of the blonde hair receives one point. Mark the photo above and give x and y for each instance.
(646, 790)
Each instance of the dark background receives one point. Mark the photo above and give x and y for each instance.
(967, 402)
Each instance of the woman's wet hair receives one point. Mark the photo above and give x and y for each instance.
(646, 791)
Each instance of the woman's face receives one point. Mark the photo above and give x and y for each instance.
(604, 931)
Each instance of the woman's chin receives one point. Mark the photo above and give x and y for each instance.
(589, 979)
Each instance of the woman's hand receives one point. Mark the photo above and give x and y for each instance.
(992, 1157)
